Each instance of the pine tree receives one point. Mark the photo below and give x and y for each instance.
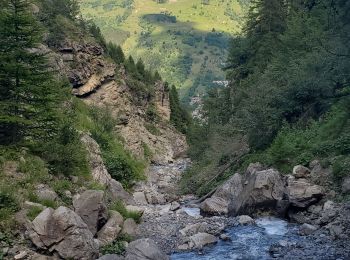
(116, 53)
(140, 66)
(266, 22)
(26, 88)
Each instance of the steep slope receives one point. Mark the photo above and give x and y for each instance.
(99, 82)
(186, 41)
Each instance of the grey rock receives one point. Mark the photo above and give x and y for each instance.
(144, 249)
(63, 232)
(91, 208)
(140, 198)
(200, 240)
(245, 220)
(130, 227)
(302, 194)
(218, 203)
(44, 192)
(117, 192)
(111, 229)
(263, 191)
(346, 185)
(307, 229)
(300, 171)
(175, 206)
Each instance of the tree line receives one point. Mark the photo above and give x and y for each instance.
(288, 99)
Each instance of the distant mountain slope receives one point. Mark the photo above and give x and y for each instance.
(185, 40)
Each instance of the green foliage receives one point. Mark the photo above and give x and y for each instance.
(116, 53)
(120, 164)
(119, 206)
(171, 41)
(179, 117)
(65, 154)
(8, 206)
(27, 90)
(152, 129)
(289, 92)
(147, 151)
(33, 212)
(341, 167)
(117, 246)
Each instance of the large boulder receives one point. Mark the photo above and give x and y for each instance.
(200, 240)
(245, 220)
(117, 192)
(111, 229)
(130, 227)
(144, 249)
(262, 190)
(214, 206)
(218, 203)
(91, 208)
(302, 194)
(63, 232)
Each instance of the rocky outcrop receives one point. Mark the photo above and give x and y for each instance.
(260, 190)
(91, 208)
(97, 167)
(165, 143)
(300, 171)
(63, 232)
(144, 249)
(111, 229)
(218, 203)
(100, 173)
(302, 194)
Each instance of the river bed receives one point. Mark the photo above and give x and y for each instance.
(247, 242)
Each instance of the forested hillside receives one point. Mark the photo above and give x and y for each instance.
(288, 102)
(70, 105)
(186, 41)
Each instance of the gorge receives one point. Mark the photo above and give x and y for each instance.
(100, 158)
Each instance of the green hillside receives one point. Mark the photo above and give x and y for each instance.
(186, 41)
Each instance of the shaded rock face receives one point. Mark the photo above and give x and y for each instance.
(63, 232)
(97, 167)
(302, 194)
(165, 145)
(130, 227)
(91, 208)
(111, 229)
(262, 190)
(218, 203)
(144, 249)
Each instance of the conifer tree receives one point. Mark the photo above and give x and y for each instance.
(27, 90)
(116, 53)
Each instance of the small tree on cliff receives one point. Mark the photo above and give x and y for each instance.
(27, 90)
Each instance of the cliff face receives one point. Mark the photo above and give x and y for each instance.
(100, 82)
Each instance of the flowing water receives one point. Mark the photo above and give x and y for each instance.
(247, 242)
